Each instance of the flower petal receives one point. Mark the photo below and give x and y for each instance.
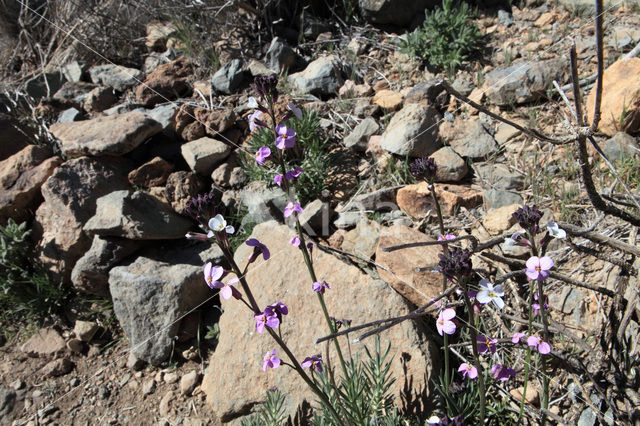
(483, 297)
(546, 263)
(533, 262)
(449, 313)
(498, 302)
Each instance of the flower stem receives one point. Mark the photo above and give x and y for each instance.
(543, 358)
(528, 359)
(476, 355)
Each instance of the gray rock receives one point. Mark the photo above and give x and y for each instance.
(91, 272)
(164, 114)
(72, 71)
(124, 108)
(280, 56)
(263, 203)
(321, 77)
(505, 18)
(228, 77)
(380, 200)
(153, 292)
(523, 82)
(43, 86)
(348, 219)
(7, 402)
(463, 85)
(85, 330)
(116, 76)
(99, 99)
(69, 116)
(477, 142)
(395, 12)
(107, 135)
(498, 176)
(202, 155)
(57, 367)
(257, 68)
(450, 166)
(359, 137)
(74, 93)
(425, 91)
(315, 218)
(137, 216)
(363, 240)
(412, 131)
(496, 198)
(621, 146)
(14, 136)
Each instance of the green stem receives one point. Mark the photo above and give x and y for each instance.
(476, 355)
(543, 358)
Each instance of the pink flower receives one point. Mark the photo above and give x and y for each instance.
(277, 179)
(468, 370)
(270, 360)
(538, 267)
(292, 208)
(444, 323)
(254, 120)
(285, 137)
(320, 286)
(536, 342)
(267, 318)
(262, 154)
(516, 337)
(295, 241)
(502, 373)
(446, 237)
(486, 344)
(213, 275)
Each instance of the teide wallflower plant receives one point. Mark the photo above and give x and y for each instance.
(538, 267)
(455, 263)
(424, 168)
(468, 371)
(528, 218)
(445, 323)
(489, 293)
(270, 360)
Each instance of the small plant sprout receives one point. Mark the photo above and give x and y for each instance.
(445, 323)
(270, 360)
(489, 293)
(555, 231)
(538, 267)
(468, 371)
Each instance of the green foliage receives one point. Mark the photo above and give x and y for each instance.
(192, 45)
(447, 37)
(271, 412)
(309, 153)
(363, 396)
(25, 291)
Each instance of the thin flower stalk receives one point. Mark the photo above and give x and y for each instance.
(474, 347)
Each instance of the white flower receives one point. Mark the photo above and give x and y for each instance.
(295, 110)
(218, 224)
(555, 231)
(433, 420)
(252, 103)
(509, 243)
(489, 293)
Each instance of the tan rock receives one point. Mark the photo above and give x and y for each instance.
(380, 85)
(620, 97)
(400, 265)
(46, 342)
(416, 201)
(532, 395)
(354, 295)
(188, 382)
(152, 173)
(362, 240)
(496, 221)
(57, 367)
(545, 19)
(476, 95)
(388, 99)
(157, 35)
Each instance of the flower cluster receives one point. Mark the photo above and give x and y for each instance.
(201, 208)
(424, 168)
(455, 263)
(528, 218)
(267, 87)
(213, 276)
(271, 316)
(534, 342)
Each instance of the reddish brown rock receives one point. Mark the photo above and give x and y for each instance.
(47, 342)
(152, 173)
(57, 367)
(398, 268)
(99, 99)
(284, 277)
(215, 120)
(620, 95)
(167, 82)
(416, 201)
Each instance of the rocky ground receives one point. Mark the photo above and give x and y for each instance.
(107, 203)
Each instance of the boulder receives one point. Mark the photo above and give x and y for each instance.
(496, 198)
(230, 174)
(152, 173)
(450, 166)
(91, 272)
(395, 12)
(280, 56)
(157, 35)
(359, 136)
(322, 77)
(412, 131)
(240, 349)
(523, 82)
(107, 135)
(228, 77)
(116, 76)
(497, 221)
(74, 93)
(415, 200)
(316, 217)
(99, 99)
(363, 240)
(498, 176)
(620, 146)
(21, 177)
(263, 203)
(166, 82)
(70, 196)
(151, 294)
(399, 268)
(57, 367)
(202, 155)
(388, 99)
(620, 98)
(137, 216)
(477, 142)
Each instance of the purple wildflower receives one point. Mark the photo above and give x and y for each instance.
(516, 337)
(295, 241)
(293, 174)
(502, 373)
(262, 154)
(277, 179)
(468, 370)
(285, 137)
(528, 218)
(320, 286)
(538, 267)
(258, 248)
(424, 168)
(486, 344)
(297, 112)
(314, 363)
(278, 309)
(201, 208)
(212, 274)
(536, 305)
(446, 237)
(455, 263)
(445, 323)
(266, 87)
(292, 208)
(539, 344)
(268, 318)
(254, 120)
(270, 360)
